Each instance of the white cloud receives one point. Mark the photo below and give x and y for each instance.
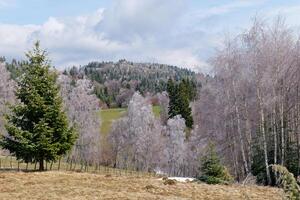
(143, 32)
(130, 19)
(225, 8)
(14, 39)
(182, 57)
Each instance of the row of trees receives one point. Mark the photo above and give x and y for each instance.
(47, 120)
(115, 82)
(251, 105)
(140, 142)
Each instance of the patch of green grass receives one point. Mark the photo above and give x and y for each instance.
(156, 110)
(109, 115)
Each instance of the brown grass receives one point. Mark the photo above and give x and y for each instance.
(72, 185)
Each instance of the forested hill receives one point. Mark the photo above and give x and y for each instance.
(115, 82)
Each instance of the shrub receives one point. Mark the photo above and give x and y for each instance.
(150, 187)
(169, 182)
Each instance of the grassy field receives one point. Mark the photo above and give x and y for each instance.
(109, 115)
(72, 185)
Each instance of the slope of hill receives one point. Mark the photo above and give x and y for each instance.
(116, 82)
(72, 185)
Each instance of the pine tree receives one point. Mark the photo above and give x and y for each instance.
(179, 101)
(173, 96)
(37, 128)
(212, 170)
(185, 109)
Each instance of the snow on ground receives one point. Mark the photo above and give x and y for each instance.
(181, 179)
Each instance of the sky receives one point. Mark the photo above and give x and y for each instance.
(185, 33)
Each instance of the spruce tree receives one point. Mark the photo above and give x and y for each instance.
(37, 127)
(173, 96)
(184, 104)
(179, 101)
(212, 170)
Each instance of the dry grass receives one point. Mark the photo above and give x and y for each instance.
(72, 185)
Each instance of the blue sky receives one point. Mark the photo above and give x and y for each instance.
(178, 32)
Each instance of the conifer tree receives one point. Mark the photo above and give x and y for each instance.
(37, 127)
(185, 109)
(212, 170)
(173, 96)
(179, 101)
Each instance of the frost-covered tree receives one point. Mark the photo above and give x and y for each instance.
(118, 139)
(82, 107)
(135, 138)
(7, 96)
(7, 87)
(174, 146)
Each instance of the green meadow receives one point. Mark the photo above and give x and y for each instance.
(109, 115)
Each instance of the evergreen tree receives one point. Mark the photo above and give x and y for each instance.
(185, 109)
(179, 101)
(37, 128)
(212, 170)
(173, 96)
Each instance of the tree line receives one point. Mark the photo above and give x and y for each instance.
(250, 106)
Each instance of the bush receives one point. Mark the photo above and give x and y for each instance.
(287, 181)
(169, 182)
(212, 170)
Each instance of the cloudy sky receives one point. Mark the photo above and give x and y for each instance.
(178, 32)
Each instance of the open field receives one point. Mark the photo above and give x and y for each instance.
(109, 115)
(72, 185)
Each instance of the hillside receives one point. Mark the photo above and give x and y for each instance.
(71, 185)
(116, 82)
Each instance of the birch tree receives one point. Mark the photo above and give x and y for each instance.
(82, 107)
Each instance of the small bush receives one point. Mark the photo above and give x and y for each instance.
(149, 187)
(169, 182)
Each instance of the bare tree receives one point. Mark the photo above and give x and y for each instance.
(82, 107)
(7, 87)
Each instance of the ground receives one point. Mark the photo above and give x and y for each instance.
(72, 185)
(109, 115)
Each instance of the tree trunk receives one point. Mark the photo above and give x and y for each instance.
(248, 136)
(41, 162)
(263, 131)
(275, 135)
(240, 131)
(282, 135)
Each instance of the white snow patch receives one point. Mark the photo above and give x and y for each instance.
(181, 179)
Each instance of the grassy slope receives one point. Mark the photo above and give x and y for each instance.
(72, 185)
(109, 115)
